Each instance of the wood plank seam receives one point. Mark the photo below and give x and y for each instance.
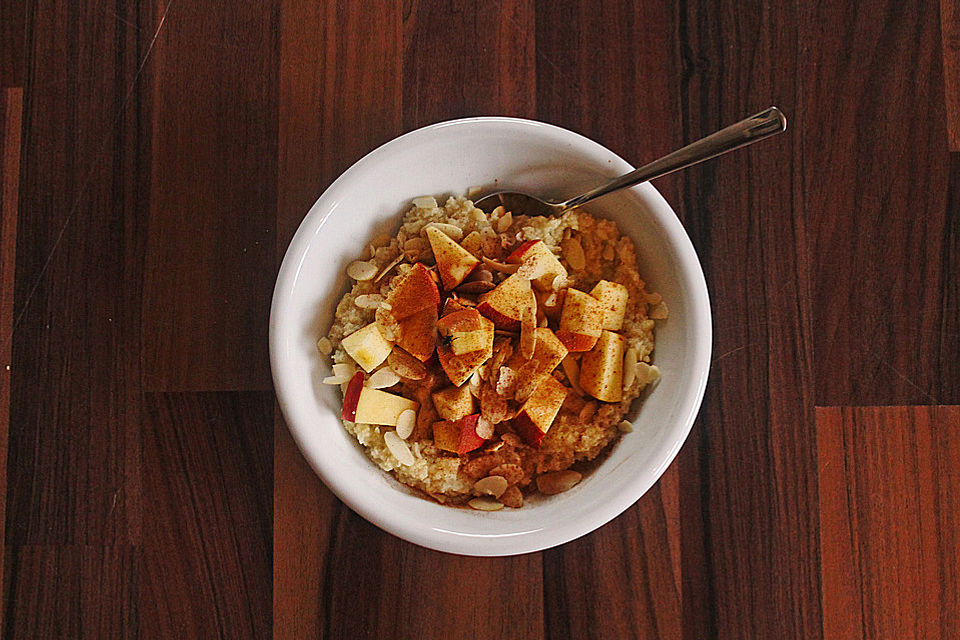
(12, 119)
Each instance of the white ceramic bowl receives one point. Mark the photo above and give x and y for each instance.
(448, 158)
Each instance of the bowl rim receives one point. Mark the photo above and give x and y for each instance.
(531, 541)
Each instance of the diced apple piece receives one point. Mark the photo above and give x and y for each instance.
(548, 353)
(460, 367)
(351, 397)
(453, 261)
(453, 403)
(367, 347)
(601, 368)
(414, 293)
(417, 334)
(379, 407)
(613, 298)
(508, 303)
(464, 331)
(581, 321)
(538, 412)
(458, 436)
(538, 256)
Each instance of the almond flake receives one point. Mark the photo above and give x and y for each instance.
(557, 482)
(454, 232)
(398, 448)
(405, 423)
(425, 202)
(629, 367)
(368, 300)
(383, 378)
(344, 370)
(502, 267)
(504, 222)
(361, 270)
(528, 334)
(485, 504)
(405, 365)
(484, 428)
(324, 346)
(573, 252)
(335, 379)
(492, 486)
(658, 311)
(389, 267)
(625, 426)
(572, 370)
(512, 497)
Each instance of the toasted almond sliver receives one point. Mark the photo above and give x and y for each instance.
(398, 448)
(454, 232)
(504, 222)
(502, 267)
(361, 270)
(405, 423)
(344, 370)
(324, 346)
(559, 282)
(573, 252)
(484, 428)
(425, 202)
(572, 371)
(492, 486)
(497, 212)
(528, 334)
(389, 267)
(368, 300)
(383, 378)
(512, 497)
(629, 367)
(335, 379)
(557, 482)
(485, 504)
(625, 426)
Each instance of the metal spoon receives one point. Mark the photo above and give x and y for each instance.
(763, 125)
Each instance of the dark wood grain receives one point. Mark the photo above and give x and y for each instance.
(756, 499)
(211, 239)
(207, 469)
(74, 592)
(949, 330)
(11, 115)
(877, 224)
(890, 521)
(12, 42)
(950, 43)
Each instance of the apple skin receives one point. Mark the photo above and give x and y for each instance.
(539, 411)
(601, 368)
(453, 261)
(458, 436)
(535, 251)
(508, 303)
(414, 293)
(576, 341)
(352, 397)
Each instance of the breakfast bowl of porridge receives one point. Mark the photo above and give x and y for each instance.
(485, 382)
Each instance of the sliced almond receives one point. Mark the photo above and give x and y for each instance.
(528, 333)
(405, 423)
(344, 370)
(486, 504)
(405, 365)
(571, 368)
(658, 311)
(361, 270)
(573, 252)
(512, 473)
(472, 243)
(454, 232)
(368, 300)
(647, 373)
(587, 411)
(502, 267)
(625, 426)
(324, 346)
(504, 222)
(558, 481)
(383, 378)
(506, 382)
(475, 287)
(559, 282)
(491, 485)
(425, 202)
(629, 367)
(398, 448)
(389, 267)
(335, 379)
(499, 211)
(484, 428)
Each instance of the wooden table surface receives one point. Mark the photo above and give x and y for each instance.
(158, 156)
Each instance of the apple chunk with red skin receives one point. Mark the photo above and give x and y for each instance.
(453, 403)
(601, 368)
(540, 259)
(468, 329)
(458, 436)
(613, 298)
(379, 407)
(538, 412)
(581, 321)
(453, 261)
(508, 303)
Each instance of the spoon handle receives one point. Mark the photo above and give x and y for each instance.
(762, 125)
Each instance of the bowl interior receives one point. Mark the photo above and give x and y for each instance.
(447, 159)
